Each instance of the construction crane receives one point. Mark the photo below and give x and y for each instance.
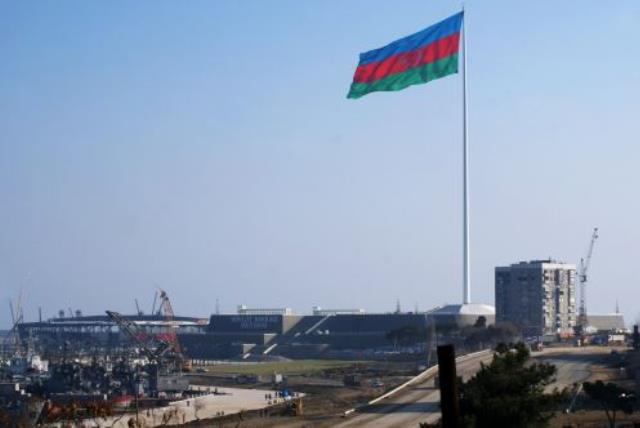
(585, 262)
(167, 311)
(164, 368)
(140, 337)
(171, 336)
(12, 341)
(155, 299)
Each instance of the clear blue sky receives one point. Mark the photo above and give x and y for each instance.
(208, 147)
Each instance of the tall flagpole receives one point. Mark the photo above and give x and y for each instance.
(465, 174)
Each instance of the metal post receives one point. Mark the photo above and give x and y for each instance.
(448, 387)
(137, 407)
(465, 173)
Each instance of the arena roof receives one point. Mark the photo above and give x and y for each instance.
(467, 309)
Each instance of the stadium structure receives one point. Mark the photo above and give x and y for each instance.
(256, 331)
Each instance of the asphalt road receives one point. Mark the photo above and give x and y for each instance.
(417, 403)
(574, 364)
(421, 402)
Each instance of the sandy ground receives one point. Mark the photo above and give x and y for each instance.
(227, 401)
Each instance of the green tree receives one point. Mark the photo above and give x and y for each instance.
(509, 392)
(611, 397)
(406, 335)
(481, 322)
(475, 336)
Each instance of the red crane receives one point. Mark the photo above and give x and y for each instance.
(170, 336)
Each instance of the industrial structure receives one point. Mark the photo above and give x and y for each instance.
(606, 323)
(537, 296)
(103, 365)
(251, 333)
(101, 330)
(244, 310)
(248, 335)
(462, 315)
(92, 366)
(585, 263)
(317, 310)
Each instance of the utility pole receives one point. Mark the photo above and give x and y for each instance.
(432, 339)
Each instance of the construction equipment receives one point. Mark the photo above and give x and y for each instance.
(139, 336)
(170, 336)
(582, 278)
(153, 307)
(12, 342)
(166, 345)
(167, 311)
(165, 364)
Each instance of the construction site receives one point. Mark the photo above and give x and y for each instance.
(166, 369)
(161, 368)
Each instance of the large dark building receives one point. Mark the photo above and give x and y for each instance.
(294, 335)
(100, 330)
(237, 335)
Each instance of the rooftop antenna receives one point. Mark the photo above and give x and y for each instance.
(217, 306)
(398, 306)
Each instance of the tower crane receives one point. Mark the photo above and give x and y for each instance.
(582, 278)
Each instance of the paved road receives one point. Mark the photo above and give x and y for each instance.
(421, 402)
(574, 364)
(417, 403)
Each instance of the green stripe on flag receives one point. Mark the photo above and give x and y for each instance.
(413, 76)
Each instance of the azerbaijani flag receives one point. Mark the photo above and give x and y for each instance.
(427, 55)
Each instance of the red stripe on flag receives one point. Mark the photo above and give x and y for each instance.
(403, 61)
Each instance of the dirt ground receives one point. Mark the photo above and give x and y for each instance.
(593, 419)
(326, 395)
(321, 406)
(588, 414)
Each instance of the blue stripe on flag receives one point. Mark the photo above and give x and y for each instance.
(428, 35)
